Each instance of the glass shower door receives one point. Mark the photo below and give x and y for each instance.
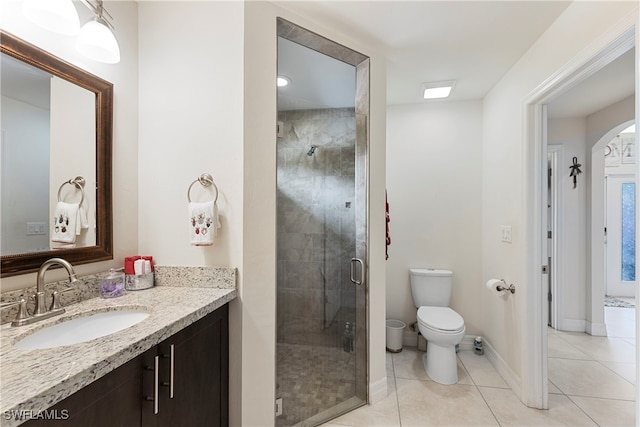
(321, 212)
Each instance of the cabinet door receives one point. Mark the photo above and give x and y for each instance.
(194, 375)
(111, 401)
(200, 374)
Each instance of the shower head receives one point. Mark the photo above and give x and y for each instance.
(312, 150)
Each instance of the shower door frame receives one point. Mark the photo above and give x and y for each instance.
(321, 44)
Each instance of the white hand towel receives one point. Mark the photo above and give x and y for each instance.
(83, 221)
(65, 222)
(203, 223)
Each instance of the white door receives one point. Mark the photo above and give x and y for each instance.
(620, 235)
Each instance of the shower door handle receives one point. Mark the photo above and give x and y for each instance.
(354, 276)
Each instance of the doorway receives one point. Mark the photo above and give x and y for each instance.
(321, 205)
(618, 41)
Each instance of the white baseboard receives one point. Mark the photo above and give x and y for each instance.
(596, 329)
(410, 339)
(377, 390)
(580, 325)
(573, 325)
(503, 369)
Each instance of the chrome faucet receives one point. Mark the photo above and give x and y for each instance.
(40, 293)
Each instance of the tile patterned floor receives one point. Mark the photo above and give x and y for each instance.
(591, 383)
(313, 379)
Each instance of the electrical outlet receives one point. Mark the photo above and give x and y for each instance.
(506, 233)
(36, 228)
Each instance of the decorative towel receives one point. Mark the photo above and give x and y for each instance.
(65, 223)
(68, 222)
(203, 223)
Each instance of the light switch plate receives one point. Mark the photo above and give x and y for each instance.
(36, 228)
(506, 233)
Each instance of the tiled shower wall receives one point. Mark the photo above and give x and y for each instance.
(316, 220)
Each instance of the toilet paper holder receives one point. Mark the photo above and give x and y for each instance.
(511, 288)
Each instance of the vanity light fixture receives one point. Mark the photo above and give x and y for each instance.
(96, 40)
(435, 90)
(283, 81)
(59, 16)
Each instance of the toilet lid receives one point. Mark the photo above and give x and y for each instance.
(442, 318)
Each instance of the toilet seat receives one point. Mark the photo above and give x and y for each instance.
(440, 319)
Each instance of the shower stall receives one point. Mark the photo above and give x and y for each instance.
(321, 229)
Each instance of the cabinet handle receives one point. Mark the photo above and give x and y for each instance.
(156, 363)
(171, 372)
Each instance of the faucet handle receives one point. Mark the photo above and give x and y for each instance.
(22, 308)
(55, 299)
(10, 304)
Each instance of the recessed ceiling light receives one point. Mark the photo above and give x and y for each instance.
(283, 81)
(435, 90)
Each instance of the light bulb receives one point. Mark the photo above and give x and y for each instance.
(96, 41)
(283, 81)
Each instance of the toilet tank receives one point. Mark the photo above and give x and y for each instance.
(430, 287)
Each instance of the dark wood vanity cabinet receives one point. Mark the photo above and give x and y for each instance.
(193, 376)
(193, 364)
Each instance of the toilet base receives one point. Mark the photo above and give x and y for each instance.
(441, 363)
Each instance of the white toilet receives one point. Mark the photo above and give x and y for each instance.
(442, 327)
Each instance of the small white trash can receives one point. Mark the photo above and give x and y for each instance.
(395, 329)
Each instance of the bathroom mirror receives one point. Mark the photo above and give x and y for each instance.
(86, 132)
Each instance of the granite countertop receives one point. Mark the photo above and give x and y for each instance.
(34, 380)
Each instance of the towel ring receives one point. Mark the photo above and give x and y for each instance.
(79, 182)
(205, 180)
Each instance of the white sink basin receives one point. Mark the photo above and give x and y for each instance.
(80, 329)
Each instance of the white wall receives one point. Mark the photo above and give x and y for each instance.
(577, 136)
(572, 231)
(507, 164)
(68, 161)
(124, 76)
(191, 122)
(24, 145)
(601, 126)
(434, 184)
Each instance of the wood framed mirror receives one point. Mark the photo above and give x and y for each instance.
(100, 246)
